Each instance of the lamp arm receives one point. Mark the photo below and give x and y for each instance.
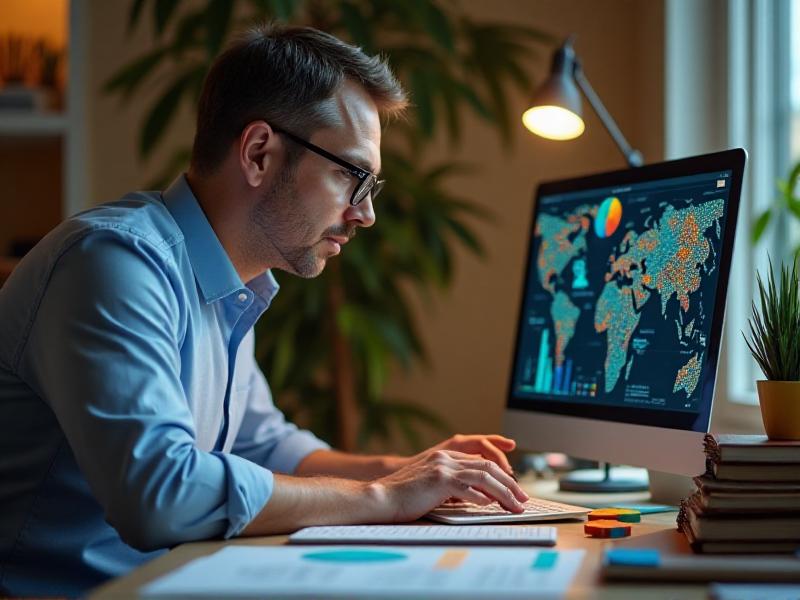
(633, 156)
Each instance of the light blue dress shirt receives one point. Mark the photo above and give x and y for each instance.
(133, 416)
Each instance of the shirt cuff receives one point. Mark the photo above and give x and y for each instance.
(294, 448)
(249, 489)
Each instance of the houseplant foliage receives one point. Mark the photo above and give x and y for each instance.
(328, 345)
(775, 344)
(787, 202)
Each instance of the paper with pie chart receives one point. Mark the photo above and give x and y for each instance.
(372, 572)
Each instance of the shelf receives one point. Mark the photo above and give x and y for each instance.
(32, 124)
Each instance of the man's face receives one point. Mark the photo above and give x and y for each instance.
(304, 214)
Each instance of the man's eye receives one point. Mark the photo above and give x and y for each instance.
(344, 173)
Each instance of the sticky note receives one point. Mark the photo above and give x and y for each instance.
(634, 557)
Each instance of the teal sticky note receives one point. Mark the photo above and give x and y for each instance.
(545, 560)
(633, 557)
(646, 509)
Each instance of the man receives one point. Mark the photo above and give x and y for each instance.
(132, 414)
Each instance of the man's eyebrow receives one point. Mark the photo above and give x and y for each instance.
(358, 160)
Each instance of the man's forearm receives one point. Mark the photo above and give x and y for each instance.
(304, 501)
(349, 466)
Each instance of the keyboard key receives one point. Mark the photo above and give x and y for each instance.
(535, 509)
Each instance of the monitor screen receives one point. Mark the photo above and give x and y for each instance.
(623, 297)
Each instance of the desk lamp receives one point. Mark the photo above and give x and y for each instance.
(555, 111)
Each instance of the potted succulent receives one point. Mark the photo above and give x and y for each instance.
(775, 344)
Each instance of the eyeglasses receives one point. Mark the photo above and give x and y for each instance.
(367, 182)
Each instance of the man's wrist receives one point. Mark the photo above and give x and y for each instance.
(378, 499)
(391, 464)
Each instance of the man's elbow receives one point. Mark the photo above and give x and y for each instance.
(159, 528)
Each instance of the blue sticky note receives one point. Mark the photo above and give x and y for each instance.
(633, 557)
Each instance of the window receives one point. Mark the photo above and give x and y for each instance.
(732, 78)
(762, 66)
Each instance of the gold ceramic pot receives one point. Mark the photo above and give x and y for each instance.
(780, 408)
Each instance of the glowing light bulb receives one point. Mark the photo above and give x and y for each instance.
(553, 122)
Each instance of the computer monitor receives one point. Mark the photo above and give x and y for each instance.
(622, 310)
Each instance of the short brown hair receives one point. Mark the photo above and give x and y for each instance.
(283, 75)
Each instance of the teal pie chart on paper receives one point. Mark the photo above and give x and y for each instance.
(355, 556)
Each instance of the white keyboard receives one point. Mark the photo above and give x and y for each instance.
(492, 535)
(536, 509)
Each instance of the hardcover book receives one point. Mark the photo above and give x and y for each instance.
(733, 448)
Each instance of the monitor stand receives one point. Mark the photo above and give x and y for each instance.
(604, 480)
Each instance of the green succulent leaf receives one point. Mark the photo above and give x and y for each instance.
(774, 327)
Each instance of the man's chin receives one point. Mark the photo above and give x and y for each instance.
(311, 269)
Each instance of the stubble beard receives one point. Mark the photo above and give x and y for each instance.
(276, 218)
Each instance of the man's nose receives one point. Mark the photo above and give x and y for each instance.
(362, 214)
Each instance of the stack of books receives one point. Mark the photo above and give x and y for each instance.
(748, 501)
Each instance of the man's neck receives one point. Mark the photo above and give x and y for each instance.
(227, 215)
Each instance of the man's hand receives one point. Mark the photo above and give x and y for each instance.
(491, 447)
(419, 486)
(351, 466)
(436, 475)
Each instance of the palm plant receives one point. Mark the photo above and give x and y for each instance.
(328, 345)
(775, 328)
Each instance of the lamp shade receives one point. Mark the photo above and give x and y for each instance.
(555, 109)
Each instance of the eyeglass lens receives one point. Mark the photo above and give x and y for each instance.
(369, 184)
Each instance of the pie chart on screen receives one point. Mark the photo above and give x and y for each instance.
(608, 217)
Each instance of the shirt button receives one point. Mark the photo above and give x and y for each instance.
(242, 297)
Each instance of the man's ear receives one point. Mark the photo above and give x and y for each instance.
(257, 148)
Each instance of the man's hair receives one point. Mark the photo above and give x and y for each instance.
(284, 76)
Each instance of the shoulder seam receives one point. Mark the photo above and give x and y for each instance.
(162, 247)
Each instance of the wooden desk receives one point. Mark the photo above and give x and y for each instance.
(656, 530)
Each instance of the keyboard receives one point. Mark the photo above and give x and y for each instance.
(536, 509)
(490, 535)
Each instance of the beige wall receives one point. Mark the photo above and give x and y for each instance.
(468, 331)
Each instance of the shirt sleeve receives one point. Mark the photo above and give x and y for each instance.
(265, 437)
(104, 353)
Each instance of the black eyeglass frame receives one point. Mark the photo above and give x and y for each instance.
(367, 182)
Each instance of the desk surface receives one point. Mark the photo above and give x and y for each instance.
(655, 531)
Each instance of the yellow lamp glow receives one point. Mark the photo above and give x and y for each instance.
(553, 122)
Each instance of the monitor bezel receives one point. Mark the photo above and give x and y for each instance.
(729, 160)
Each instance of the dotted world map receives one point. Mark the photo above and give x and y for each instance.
(663, 253)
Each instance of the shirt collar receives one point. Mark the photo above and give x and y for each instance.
(213, 269)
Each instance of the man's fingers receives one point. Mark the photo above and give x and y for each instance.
(470, 494)
(491, 452)
(492, 447)
(477, 455)
(488, 485)
(500, 475)
(504, 443)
